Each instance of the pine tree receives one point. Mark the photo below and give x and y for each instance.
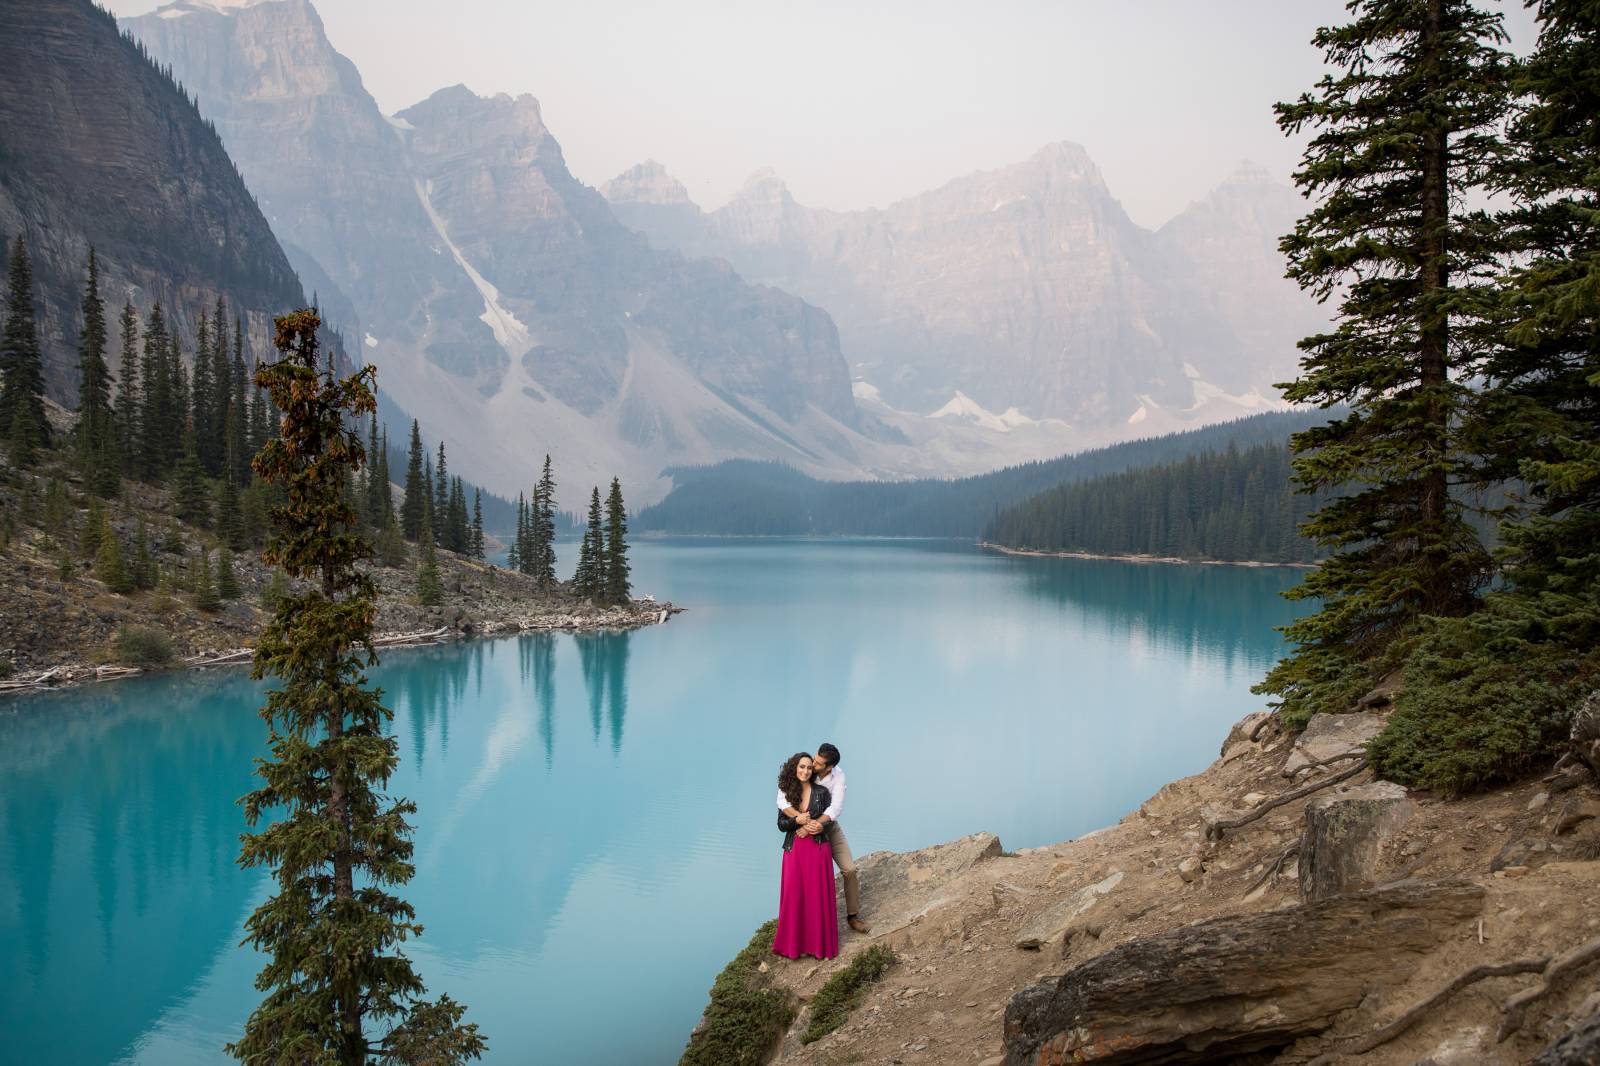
(227, 581)
(429, 591)
(514, 552)
(94, 527)
(1405, 130)
(456, 522)
(155, 399)
(617, 585)
(229, 513)
(381, 476)
(544, 530)
(441, 500)
(415, 503)
(97, 444)
(377, 467)
(143, 567)
(330, 930)
(477, 523)
(128, 398)
(22, 422)
(189, 486)
(391, 545)
(1489, 698)
(203, 401)
(201, 586)
(589, 577)
(238, 397)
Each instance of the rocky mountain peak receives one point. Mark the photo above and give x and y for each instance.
(646, 183)
(764, 186)
(1249, 173)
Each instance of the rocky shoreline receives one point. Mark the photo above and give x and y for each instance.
(1280, 908)
(60, 628)
(1004, 550)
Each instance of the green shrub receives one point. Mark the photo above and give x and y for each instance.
(845, 990)
(746, 1015)
(143, 646)
(1482, 704)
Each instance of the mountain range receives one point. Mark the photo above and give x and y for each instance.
(1026, 287)
(1007, 316)
(101, 150)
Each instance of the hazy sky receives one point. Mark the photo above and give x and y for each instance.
(860, 104)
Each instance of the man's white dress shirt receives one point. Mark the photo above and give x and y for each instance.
(834, 783)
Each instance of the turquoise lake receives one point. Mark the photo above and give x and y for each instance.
(595, 835)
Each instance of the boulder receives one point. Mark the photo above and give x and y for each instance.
(1346, 832)
(1328, 736)
(1191, 868)
(1234, 986)
(1524, 852)
(1052, 923)
(1579, 1046)
(1585, 737)
(1245, 730)
(897, 887)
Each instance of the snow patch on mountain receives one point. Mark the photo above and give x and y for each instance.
(967, 409)
(511, 334)
(862, 390)
(372, 342)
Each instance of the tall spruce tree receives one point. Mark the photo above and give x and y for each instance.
(1489, 698)
(456, 524)
(189, 485)
(415, 503)
(22, 422)
(155, 398)
(588, 577)
(519, 536)
(618, 587)
(128, 400)
(97, 439)
(380, 471)
(1406, 127)
(441, 500)
(331, 931)
(477, 523)
(203, 400)
(544, 532)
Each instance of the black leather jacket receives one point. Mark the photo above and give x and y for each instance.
(820, 798)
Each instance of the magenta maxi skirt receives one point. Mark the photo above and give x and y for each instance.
(808, 911)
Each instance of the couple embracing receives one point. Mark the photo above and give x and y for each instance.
(810, 800)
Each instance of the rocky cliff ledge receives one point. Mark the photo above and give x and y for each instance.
(1279, 908)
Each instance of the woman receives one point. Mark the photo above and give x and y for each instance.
(808, 912)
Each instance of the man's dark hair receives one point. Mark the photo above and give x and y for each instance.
(829, 752)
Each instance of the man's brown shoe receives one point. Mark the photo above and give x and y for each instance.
(858, 925)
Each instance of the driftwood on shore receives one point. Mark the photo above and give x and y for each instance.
(41, 681)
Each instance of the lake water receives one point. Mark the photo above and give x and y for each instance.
(595, 836)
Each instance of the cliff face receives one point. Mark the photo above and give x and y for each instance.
(500, 297)
(1023, 287)
(102, 150)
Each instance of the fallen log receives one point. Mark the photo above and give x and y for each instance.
(33, 682)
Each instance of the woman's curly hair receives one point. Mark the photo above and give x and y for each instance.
(789, 781)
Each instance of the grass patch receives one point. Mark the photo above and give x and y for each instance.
(143, 646)
(746, 1015)
(845, 990)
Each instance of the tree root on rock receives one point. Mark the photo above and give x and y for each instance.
(1555, 974)
(1218, 822)
(1385, 1033)
(1271, 872)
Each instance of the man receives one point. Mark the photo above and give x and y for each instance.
(826, 772)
